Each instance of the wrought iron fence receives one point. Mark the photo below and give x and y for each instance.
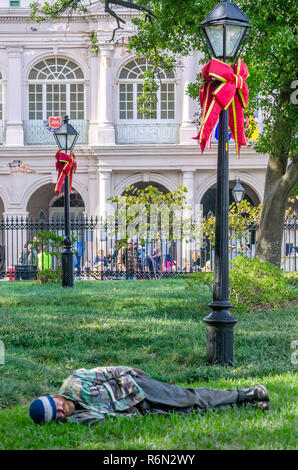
(99, 254)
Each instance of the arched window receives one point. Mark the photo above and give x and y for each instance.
(75, 200)
(77, 207)
(130, 88)
(142, 185)
(208, 199)
(56, 88)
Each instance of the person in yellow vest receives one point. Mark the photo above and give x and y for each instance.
(44, 260)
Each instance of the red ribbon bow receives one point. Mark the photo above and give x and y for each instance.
(65, 165)
(231, 93)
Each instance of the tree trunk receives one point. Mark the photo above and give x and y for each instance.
(272, 219)
(281, 176)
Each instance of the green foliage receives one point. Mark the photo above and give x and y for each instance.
(51, 245)
(94, 44)
(50, 242)
(253, 284)
(196, 280)
(151, 195)
(242, 218)
(292, 278)
(290, 212)
(295, 191)
(53, 9)
(147, 101)
(135, 208)
(49, 276)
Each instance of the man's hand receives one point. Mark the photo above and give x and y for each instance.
(140, 372)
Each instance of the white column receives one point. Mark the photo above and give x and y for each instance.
(94, 99)
(93, 194)
(188, 129)
(188, 181)
(106, 127)
(14, 99)
(105, 179)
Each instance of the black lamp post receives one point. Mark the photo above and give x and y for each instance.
(223, 31)
(66, 137)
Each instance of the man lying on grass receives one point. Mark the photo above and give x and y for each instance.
(86, 396)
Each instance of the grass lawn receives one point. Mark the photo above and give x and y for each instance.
(153, 325)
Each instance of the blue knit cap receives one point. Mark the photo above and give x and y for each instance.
(43, 409)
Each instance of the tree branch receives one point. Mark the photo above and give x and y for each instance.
(126, 4)
(114, 15)
(132, 5)
(57, 8)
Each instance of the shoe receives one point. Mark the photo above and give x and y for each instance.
(256, 396)
(257, 393)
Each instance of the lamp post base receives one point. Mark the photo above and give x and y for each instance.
(67, 268)
(220, 334)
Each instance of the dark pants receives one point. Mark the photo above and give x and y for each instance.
(161, 397)
(77, 263)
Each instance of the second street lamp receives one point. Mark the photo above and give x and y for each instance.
(66, 137)
(238, 192)
(223, 31)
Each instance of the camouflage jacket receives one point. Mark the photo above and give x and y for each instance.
(101, 391)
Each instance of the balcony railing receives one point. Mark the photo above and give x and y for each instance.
(36, 134)
(147, 133)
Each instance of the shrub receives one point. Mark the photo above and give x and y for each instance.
(256, 283)
(253, 284)
(292, 278)
(196, 280)
(49, 276)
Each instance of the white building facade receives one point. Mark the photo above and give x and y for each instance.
(50, 69)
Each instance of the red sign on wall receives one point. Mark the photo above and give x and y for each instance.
(55, 122)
